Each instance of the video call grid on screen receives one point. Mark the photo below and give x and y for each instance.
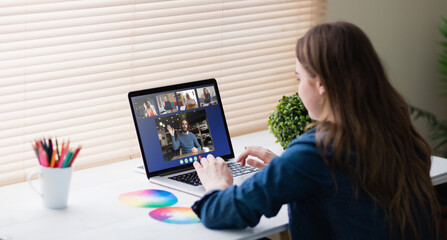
(199, 106)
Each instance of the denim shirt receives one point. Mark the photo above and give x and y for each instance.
(318, 208)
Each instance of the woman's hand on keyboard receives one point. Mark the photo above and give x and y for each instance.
(213, 173)
(263, 154)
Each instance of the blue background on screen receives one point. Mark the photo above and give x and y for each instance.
(151, 143)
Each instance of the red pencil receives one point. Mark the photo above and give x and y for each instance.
(36, 150)
(64, 152)
(74, 156)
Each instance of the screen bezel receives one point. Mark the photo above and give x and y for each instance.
(176, 87)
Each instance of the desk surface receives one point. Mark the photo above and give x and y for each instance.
(438, 171)
(94, 211)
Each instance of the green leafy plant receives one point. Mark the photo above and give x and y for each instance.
(438, 129)
(288, 120)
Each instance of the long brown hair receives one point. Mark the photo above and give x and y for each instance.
(372, 119)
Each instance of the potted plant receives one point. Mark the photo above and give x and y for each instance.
(288, 120)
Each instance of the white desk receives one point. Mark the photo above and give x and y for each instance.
(438, 171)
(94, 211)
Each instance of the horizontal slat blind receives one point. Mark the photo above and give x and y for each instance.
(66, 67)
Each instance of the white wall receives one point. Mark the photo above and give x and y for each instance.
(405, 35)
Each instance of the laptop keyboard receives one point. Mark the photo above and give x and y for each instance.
(192, 178)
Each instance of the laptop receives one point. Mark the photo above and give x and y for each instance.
(177, 125)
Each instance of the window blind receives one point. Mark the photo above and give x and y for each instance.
(66, 67)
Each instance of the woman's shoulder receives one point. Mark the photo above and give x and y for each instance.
(303, 156)
(305, 138)
(304, 145)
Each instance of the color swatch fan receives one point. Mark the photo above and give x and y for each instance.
(177, 215)
(151, 198)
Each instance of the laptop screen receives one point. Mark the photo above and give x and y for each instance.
(179, 124)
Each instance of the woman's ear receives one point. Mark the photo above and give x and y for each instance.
(320, 86)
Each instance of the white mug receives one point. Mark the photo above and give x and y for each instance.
(206, 149)
(55, 184)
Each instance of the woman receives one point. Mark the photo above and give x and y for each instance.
(206, 96)
(146, 110)
(150, 109)
(167, 104)
(360, 172)
(190, 103)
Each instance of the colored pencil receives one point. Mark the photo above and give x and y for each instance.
(53, 159)
(48, 153)
(36, 151)
(62, 159)
(75, 155)
(57, 150)
(43, 158)
(67, 159)
(50, 148)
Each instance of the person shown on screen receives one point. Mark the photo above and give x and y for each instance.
(167, 104)
(149, 109)
(181, 101)
(361, 171)
(206, 96)
(186, 140)
(190, 103)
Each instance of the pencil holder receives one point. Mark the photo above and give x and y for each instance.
(54, 170)
(55, 184)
